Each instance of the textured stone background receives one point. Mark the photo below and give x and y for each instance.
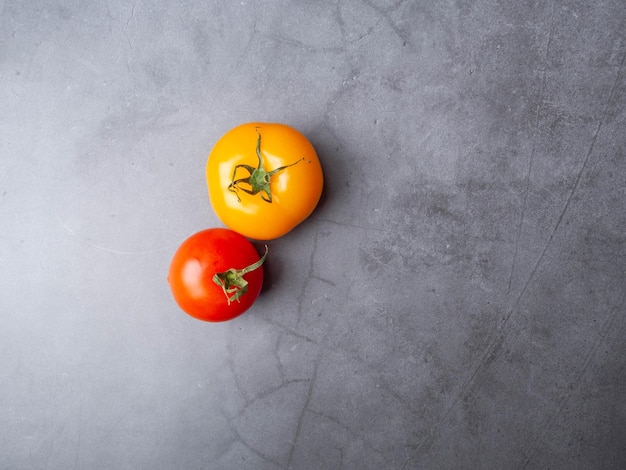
(456, 301)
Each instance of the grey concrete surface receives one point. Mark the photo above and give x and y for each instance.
(455, 302)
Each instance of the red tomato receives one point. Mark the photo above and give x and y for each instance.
(216, 275)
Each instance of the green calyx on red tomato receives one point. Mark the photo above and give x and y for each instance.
(216, 275)
(263, 179)
(233, 282)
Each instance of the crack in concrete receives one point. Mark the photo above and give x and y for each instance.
(494, 346)
(608, 328)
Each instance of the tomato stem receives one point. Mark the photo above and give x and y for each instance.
(258, 178)
(232, 282)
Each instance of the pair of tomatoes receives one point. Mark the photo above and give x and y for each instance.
(263, 180)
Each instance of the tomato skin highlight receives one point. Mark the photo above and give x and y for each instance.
(295, 190)
(194, 265)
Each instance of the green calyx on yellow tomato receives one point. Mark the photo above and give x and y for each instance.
(263, 179)
(258, 178)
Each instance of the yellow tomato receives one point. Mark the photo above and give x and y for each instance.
(263, 179)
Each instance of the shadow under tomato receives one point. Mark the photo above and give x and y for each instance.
(271, 267)
(335, 166)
